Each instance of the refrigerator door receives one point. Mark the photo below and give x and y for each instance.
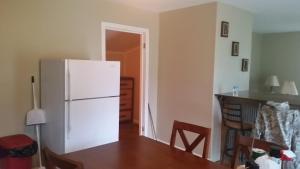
(87, 79)
(91, 123)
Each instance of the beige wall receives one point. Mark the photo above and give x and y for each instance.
(35, 29)
(227, 68)
(196, 62)
(186, 65)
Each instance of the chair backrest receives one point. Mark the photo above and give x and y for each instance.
(244, 144)
(54, 161)
(204, 133)
(232, 113)
(236, 112)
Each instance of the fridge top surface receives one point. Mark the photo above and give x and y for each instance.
(79, 60)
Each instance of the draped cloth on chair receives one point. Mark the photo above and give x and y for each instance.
(277, 123)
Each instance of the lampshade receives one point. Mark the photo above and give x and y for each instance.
(35, 116)
(289, 87)
(272, 81)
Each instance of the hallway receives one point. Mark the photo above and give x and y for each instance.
(128, 131)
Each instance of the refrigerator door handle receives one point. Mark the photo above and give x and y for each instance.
(69, 101)
(69, 121)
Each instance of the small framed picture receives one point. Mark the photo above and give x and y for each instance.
(235, 49)
(245, 65)
(224, 29)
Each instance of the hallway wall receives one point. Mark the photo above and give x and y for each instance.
(130, 67)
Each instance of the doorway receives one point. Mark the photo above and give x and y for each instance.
(129, 46)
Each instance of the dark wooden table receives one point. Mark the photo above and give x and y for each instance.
(262, 97)
(250, 101)
(139, 153)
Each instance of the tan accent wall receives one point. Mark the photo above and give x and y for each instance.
(35, 29)
(186, 67)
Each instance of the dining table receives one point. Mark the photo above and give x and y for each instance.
(140, 153)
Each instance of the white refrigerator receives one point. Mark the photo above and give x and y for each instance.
(81, 100)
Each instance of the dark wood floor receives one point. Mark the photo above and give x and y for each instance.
(128, 130)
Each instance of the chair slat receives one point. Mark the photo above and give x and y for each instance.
(195, 143)
(184, 139)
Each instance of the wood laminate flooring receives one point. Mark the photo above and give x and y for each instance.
(128, 131)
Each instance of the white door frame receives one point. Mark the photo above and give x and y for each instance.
(144, 67)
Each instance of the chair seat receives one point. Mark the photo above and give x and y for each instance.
(237, 125)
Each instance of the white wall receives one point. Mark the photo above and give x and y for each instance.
(256, 80)
(227, 68)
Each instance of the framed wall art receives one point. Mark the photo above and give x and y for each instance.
(235, 49)
(245, 65)
(224, 29)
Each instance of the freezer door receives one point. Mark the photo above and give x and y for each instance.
(91, 123)
(91, 79)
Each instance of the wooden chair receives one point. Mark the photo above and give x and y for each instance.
(244, 144)
(233, 120)
(204, 133)
(54, 161)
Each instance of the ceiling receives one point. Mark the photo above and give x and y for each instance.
(121, 41)
(269, 15)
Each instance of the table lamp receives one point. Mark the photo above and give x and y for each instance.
(289, 87)
(272, 81)
(36, 117)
